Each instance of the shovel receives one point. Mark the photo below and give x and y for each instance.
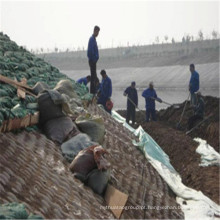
(167, 103)
(181, 117)
(192, 129)
(136, 106)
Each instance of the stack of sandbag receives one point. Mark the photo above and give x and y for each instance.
(93, 126)
(92, 168)
(56, 125)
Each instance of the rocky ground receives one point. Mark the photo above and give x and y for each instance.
(182, 149)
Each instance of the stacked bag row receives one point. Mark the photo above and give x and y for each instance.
(64, 121)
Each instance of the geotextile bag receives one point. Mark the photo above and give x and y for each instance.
(66, 87)
(58, 129)
(97, 180)
(73, 146)
(48, 109)
(93, 126)
(84, 162)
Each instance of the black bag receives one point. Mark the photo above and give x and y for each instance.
(98, 180)
(48, 109)
(39, 87)
(58, 129)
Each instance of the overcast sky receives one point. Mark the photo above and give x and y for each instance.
(47, 24)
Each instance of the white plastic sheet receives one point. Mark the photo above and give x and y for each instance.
(194, 204)
(209, 157)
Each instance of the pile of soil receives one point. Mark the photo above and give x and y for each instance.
(181, 150)
(208, 130)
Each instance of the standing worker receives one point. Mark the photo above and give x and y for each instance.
(132, 102)
(150, 96)
(193, 84)
(105, 91)
(198, 112)
(93, 56)
(84, 80)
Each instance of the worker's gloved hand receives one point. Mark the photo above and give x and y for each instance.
(159, 100)
(125, 94)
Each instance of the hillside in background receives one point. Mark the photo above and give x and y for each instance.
(198, 52)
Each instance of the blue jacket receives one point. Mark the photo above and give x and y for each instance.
(82, 81)
(105, 90)
(92, 52)
(150, 103)
(132, 94)
(194, 82)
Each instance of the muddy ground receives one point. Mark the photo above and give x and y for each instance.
(182, 149)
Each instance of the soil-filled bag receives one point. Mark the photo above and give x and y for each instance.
(58, 129)
(66, 87)
(97, 180)
(40, 87)
(83, 163)
(93, 126)
(50, 106)
(73, 146)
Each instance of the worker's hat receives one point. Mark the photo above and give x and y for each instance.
(151, 83)
(133, 83)
(199, 93)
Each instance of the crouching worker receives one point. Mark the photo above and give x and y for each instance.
(132, 102)
(105, 91)
(150, 96)
(84, 80)
(198, 111)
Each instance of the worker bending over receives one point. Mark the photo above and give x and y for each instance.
(105, 91)
(84, 80)
(150, 96)
(132, 102)
(198, 111)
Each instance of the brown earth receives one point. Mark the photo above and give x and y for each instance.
(182, 152)
(182, 149)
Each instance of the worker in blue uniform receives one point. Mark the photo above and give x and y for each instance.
(105, 90)
(150, 96)
(132, 102)
(193, 84)
(93, 56)
(84, 80)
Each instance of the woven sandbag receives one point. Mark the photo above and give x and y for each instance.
(97, 180)
(93, 126)
(73, 146)
(66, 87)
(83, 163)
(39, 87)
(48, 109)
(58, 129)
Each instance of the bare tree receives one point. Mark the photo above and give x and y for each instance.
(214, 34)
(200, 34)
(56, 49)
(188, 38)
(157, 39)
(42, 49)
(166, 38)
(173, 41)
